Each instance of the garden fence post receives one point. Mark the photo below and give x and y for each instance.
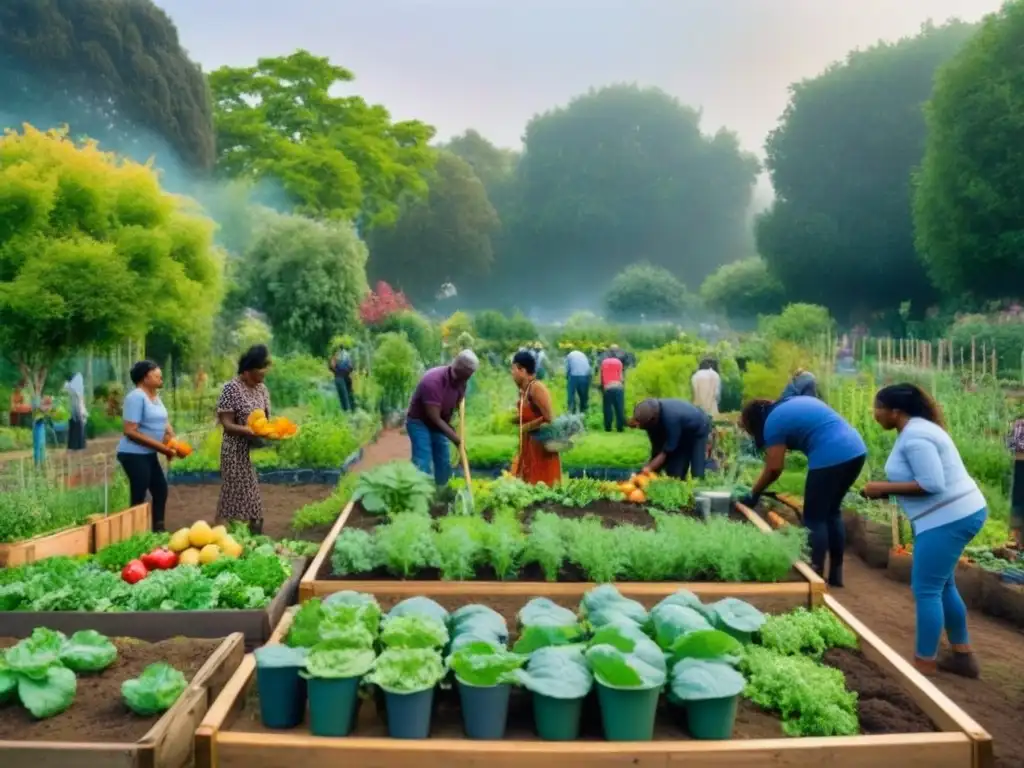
(106, 487)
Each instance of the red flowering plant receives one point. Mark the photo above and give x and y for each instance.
(381, 303)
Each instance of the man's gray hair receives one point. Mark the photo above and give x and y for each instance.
(469, 358)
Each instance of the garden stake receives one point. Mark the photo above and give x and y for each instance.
(462, 448)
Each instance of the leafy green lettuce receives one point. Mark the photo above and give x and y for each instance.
(407, 670)
(559, 673)
(155, 690)
(483, 665)
(333, 659)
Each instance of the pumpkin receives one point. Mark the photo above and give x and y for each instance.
(627, 488)
(637, 496)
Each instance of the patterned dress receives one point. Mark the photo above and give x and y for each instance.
(240, 489)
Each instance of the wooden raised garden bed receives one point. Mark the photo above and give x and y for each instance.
(120, 526)
(70, 542)
(805, 587)
(168, 743)
(256, 625)
(230, 736)
(100, 531)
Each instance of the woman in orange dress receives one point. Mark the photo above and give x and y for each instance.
(533, 464)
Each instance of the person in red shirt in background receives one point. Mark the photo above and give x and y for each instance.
(613, 392)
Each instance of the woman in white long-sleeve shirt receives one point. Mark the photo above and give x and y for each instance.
(946, 510)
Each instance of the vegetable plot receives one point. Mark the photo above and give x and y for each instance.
(613, 669)
(89, 699)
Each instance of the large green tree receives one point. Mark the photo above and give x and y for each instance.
(443, 238)
(107, 68)
(968, 207)
(743, 290)
(307, 277)
(92, 251)
(646, 291)
(840, 232)
(336, 156)
(620, 175)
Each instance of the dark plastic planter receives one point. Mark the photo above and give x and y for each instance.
(409, 714)
(557, 719)
(484, 710)
(333, 704)
(712, 719)
(282, 696)
(628, 714)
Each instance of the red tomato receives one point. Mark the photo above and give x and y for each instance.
(134, 572)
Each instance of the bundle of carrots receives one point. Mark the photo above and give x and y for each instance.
(775, 520)
(280, 428)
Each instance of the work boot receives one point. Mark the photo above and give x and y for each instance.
(835, 577)
(960, 660)
(927, 667)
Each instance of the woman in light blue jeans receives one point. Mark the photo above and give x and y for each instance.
(946, 510)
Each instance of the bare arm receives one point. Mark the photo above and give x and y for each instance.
(774, 461)
(436, 422)
(227, 420)
(131, 431)
(656, 463)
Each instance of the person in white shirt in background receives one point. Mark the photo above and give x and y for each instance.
(707, 387)
(578, 372)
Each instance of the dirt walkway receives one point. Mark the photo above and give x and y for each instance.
(996, 701)
(392, 445)
(92, 448)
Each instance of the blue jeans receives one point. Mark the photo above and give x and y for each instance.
(932, 578)
(579, 389)
(430, 451)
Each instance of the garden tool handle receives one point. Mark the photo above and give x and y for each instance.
(462, 442)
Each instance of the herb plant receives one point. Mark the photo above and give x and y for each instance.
(394, 488)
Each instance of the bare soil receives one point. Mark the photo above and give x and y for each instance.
(98, 713)
(996, 701)
(188, 503)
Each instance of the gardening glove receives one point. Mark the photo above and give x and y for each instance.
(750, 500)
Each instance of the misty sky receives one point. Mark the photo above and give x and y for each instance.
(493, 64)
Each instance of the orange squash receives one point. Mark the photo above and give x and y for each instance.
(627, 488)
(642, 481)
(637, 496)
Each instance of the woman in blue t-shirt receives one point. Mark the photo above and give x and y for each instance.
(146, 432)
(835, 456)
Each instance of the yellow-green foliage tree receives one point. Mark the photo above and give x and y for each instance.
(92, 250)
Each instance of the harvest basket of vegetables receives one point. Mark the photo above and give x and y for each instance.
(560, 435)
(88, 699)
(600, 677)
(280, 428)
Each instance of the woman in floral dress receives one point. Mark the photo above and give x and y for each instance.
(240, 499)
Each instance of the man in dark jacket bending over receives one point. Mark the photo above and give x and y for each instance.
(678, 432)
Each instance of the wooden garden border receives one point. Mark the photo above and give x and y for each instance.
(810, 589)
(98, 532)
(961, 742)
(168, 744)
(256, 625)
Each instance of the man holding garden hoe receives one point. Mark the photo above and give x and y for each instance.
(678, 432)
(428, 421)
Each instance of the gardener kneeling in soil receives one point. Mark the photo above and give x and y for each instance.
(428, 421)
(678, 432)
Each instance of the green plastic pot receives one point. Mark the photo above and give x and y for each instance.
(712, 719)
(484, 710)
(282, 696)
(333, 704)
(627, 714)
(409, 714)
(557, 719)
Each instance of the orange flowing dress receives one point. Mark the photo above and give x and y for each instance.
(533, 464)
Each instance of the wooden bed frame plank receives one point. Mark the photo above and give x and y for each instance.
(911, 751)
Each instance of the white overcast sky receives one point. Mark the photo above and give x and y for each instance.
(493, 64)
